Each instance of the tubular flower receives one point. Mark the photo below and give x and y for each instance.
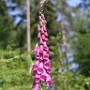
(41, 67)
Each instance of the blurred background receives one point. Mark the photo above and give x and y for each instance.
(69, 42)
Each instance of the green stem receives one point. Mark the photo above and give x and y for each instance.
(41, 86)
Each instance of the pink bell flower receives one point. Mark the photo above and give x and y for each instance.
(41, 67)
(41, 23)
(34, 73)
(38, 51)
(47, 65)
(43, 75)
(44, 21)
(42, 30)
(43, 37)
(41, 48)
(45, 44)
(46, 34)
(48, 80)
(35, 86)
(39, 35)
(46, 39)
(37, 78)
(35, 66)
(49, 70)
(35, 48)
(42, 15)
(37, 54)
(41, 41)
(45, 55)
(40, 58)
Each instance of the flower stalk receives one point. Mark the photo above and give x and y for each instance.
(41, 67)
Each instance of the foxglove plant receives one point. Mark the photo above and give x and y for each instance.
(41, 67)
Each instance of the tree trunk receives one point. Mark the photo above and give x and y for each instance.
(28, 26)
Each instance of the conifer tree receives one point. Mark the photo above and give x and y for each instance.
(82, 54)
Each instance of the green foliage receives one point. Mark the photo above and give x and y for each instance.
(70, 81)
(82, 54)
(14, 70)
(15, 73)
(82, 57)
(6, 27)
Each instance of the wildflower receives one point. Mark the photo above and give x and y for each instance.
(41, 67)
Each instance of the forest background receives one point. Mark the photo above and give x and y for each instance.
(70, 63)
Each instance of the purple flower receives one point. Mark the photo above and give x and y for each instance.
(43, 75)
(41, 48)
(39, 35)
(41, 67)
(35, 66)
(35, 86)
(37, 78)
(48, 80)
